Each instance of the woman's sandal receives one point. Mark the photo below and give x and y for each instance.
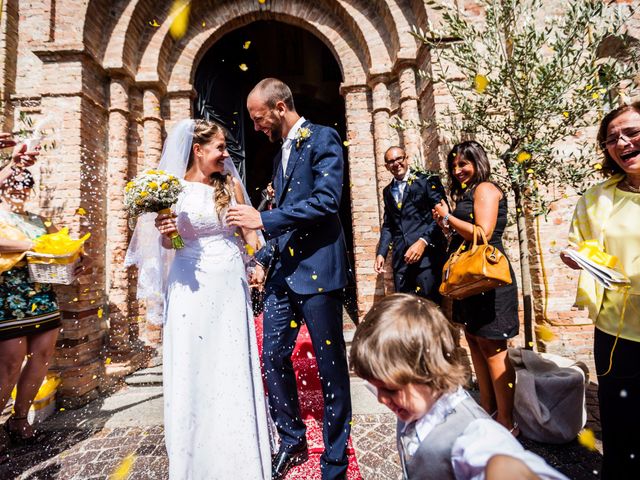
(515, 430)
(16, 435)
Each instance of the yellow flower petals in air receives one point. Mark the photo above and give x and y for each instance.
(565, 114)
(181, 9)
(262, 2)
(523, 157)
(81, 211)
(34, 306)
(293, 324)
(595, 96)
(530, 171)
(544, 333)
(122, 471)
(531, 344)
(320, 289)
(399, 204)
(346, 143)
(464, 185)
(291, 252)
(154, 23)
(100, 311)
(246, 44)
(418, 288)
(510, 385)
(480, 83)
(587, 439)
(107, 361)
(328, 342)
(204, 24)
(250, 250)
(314, 276)
(597, 166)
(243, 67)
(47, 223)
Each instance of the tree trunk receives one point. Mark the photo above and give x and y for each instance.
(525, 274)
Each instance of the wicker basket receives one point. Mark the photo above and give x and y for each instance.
(47, 268)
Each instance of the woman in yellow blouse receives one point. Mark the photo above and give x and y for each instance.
(609, 213)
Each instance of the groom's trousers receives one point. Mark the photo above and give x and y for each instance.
(322, 313)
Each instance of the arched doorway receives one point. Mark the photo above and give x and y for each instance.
(234, 64)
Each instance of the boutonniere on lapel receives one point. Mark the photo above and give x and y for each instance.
(301, 136)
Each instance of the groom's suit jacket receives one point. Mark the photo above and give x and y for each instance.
(305, 241)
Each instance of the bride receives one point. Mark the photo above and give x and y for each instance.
(214, 405)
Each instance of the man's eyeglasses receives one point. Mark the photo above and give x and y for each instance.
(391, 161)
(627, 136)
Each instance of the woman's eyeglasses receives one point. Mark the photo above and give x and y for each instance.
(627, 136)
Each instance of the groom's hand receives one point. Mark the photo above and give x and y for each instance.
(244, 216)
(256, 279)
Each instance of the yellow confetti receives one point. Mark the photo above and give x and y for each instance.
(471, 215)
(510, 385)
(261, 2)
(595, 96)
(243, 67)
(62, 409)
(399, 204)
(320, 289)
(531, 344)
(100, 311)
(47, 223)
(463, 185)
(480, 83)
(597, 166)
(328, 342)
(565, 114)
(204, 24)
(81, 211)
(94, 377)
(523, 157)
(418, 288)
(587, 439)
(544, 333)
(75, 299)
(293, 324)
(121, 472)
(314, 276)
(181, 10)
(154, 23)
(346, 143)
(250, 250)
(38, 326)
(34, 306)
(107, 361)
(291, 252)
(246, 44)
(530, 171)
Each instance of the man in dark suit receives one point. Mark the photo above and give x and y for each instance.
(306, 260)
(409, 230)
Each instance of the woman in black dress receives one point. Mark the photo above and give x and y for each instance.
(489, 318)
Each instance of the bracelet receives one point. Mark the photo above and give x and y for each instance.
(445, 221)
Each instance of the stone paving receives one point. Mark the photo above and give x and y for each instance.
(89, 444)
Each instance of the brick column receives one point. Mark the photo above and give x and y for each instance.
(152, 125)
(119, 344)
(381, 133)
(409, 111)
(364, 195)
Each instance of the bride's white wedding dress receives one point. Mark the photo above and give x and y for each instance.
(215, 410)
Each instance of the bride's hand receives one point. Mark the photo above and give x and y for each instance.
(256, 279)
(166, 223)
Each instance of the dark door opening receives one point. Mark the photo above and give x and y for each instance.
(243, 57)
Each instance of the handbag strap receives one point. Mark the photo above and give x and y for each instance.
(477, 229)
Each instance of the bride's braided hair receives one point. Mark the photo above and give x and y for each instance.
(203, 133)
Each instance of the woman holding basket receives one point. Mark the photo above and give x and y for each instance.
(489, 318)
(29, 314)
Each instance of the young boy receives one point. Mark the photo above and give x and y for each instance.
(405, 348)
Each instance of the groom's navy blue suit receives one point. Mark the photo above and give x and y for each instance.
(308, 268)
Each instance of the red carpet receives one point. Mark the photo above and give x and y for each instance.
(311, 407)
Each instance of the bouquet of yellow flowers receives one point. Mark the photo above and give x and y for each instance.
(153, 191)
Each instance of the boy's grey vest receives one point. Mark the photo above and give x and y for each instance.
(432, 460)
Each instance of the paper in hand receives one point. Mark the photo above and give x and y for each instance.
(607, 277)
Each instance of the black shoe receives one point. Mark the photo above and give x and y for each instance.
(285, 459)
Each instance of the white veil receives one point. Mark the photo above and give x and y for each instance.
(145, 249)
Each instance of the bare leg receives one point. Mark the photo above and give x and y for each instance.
(505, 467)
(485, 384)
(40, 350)
(12, 353)
(503, 377)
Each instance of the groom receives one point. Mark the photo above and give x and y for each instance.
(305, 257)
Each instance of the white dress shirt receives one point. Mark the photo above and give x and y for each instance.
(482, 439)
(289, 142)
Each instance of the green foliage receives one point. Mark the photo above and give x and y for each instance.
(531, 80)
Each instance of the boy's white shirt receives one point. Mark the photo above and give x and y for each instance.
(482, 439)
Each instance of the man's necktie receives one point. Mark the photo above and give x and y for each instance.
(409, 440)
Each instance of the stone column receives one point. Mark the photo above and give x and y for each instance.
(364, 195)
(119, 344)
(409, 111)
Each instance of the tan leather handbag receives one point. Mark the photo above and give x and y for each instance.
(474, 270)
